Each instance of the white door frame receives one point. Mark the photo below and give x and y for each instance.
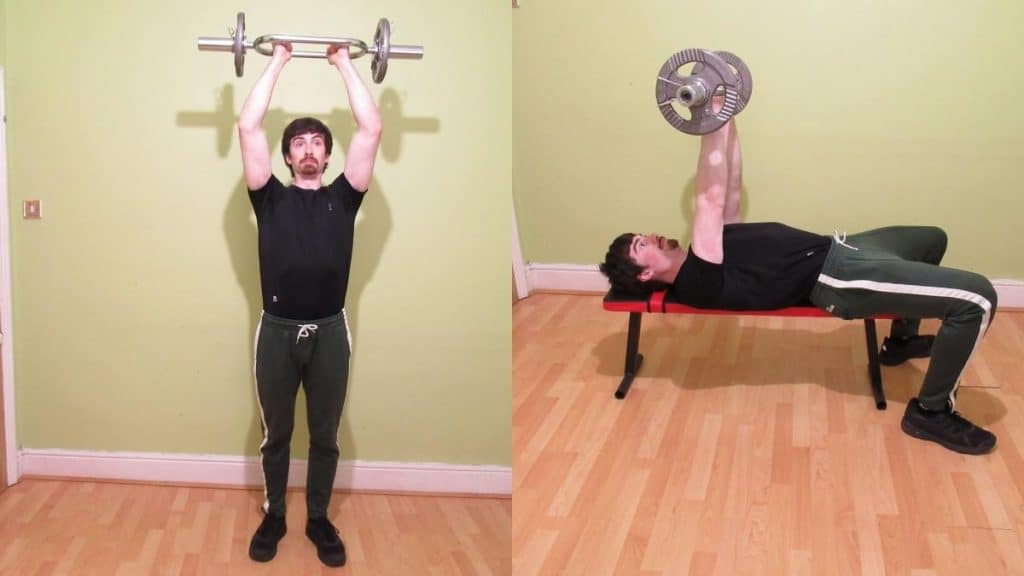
(6, 330)
(518, 268)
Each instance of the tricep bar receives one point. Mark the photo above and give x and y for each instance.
(382, 48)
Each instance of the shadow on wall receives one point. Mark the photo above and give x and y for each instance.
(373, 223)
(223, 119)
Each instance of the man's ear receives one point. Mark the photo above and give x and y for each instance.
(645, 275)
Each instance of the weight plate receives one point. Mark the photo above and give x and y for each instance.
(239, 46)
(744, 82)
(741, 77)
(714, 74)
(381, 50)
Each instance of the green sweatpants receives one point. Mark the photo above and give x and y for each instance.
(316, 354)
(895, 271)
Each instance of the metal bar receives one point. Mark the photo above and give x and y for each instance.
(405, 52)
(874, 370)
(633, 358)
(259, 44)
(211, 44)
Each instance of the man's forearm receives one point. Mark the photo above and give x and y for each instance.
(709, 202)
(364, 110)
(713, 170)
(256, 104)
(734, 190)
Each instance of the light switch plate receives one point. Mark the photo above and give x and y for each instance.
(32, 210)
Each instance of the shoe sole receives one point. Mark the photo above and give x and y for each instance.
(920, 434)
(895, 362)
(258, 558)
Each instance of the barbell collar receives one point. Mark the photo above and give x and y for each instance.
(692, 93)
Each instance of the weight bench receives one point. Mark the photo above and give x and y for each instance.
(660, 303)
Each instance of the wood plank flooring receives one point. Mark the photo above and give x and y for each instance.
(751, 446)
(85, 528)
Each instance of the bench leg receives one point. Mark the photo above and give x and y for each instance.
(873, 368)
(633, 357)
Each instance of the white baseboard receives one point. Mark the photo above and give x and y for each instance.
(565, 278)
(587, 278)
(236, 471)
(1011, 293)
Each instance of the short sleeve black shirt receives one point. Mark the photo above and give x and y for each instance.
(766, 265)
(305, 246)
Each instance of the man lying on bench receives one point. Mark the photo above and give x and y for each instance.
(764, 266)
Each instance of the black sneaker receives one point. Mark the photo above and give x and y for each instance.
(896, 351)
(263, 546)
(946, 427)
(324, 535)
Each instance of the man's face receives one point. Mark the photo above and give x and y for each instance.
(653, 253)
(307, 154)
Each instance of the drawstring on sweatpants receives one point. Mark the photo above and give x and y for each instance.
(841, 240)
(305, 331)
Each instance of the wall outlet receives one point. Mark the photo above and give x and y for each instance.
(32, 210)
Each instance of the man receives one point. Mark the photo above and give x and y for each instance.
(736, 266)
(305, 247)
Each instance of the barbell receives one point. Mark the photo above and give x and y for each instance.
(382, 48)
(713, 73)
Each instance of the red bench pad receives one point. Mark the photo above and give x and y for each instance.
(660, 302)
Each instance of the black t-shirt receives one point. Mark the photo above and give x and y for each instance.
(766, 265)
(305, 242)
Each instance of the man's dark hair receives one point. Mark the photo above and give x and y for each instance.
(622, 271)
(301, 126)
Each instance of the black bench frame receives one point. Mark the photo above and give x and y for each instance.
(634, 359)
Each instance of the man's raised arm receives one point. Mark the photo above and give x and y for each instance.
(712, 190)
(362, 151)
(255, 150)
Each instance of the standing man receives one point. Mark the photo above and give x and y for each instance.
(305, 251)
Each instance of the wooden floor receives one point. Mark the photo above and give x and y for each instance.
(751, 446)
(85, 528)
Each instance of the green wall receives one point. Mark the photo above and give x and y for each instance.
(136, 296)
(863, 114)
(3, 26)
